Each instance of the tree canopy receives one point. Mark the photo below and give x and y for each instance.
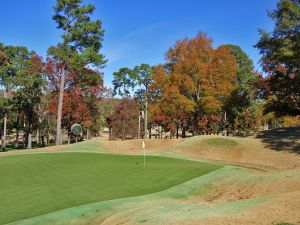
(281, 58)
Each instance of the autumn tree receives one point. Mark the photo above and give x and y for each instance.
(105, 109)
(83, 91)
(281, 58)
(168, 106)
(124, 120)
(204, 75)
(75, 109)
(80, 45)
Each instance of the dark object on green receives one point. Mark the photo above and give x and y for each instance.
(76, 130)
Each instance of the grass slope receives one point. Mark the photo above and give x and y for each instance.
(36, 184)
(221, 142)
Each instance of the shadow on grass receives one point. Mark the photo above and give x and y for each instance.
(10, 147)
(281, 139)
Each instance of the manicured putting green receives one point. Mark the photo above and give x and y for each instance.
(35, 184)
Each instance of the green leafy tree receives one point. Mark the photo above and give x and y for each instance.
(135, 82)
(16, 61)
(123, 82)
(80, 45)
(281, 58)
(143, 76)
(3, 100)
(246, 93)
(29, 83)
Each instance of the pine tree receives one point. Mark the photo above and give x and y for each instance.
(80, 45)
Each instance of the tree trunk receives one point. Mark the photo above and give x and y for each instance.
(183, 132)
(146, 117)
(87, 134)
(17, 131)
(24, 134)
(17, 139)
(177, 131)
(109, 133)
(4, 123)
(43, 140)
(60, 105)
(225, 118)
(29, 145)
(139, 128)
(37, 136)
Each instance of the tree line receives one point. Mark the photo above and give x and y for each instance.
(199, 89)
(205, 90)
(62, 90)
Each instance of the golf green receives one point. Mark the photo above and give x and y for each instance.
(36, 184)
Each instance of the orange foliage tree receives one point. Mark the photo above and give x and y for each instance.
(196, 81)
(169, 107)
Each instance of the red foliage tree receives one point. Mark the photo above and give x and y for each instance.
(83, 90)
(124, 120)
(75, 109)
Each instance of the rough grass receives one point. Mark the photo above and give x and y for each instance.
(284, 224)
(36, 184)
(221, 142)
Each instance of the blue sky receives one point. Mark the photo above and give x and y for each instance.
(141, 31)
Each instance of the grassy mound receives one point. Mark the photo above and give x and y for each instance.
(36, 184)
(221, 142)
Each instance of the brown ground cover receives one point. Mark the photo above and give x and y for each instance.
(273, 173)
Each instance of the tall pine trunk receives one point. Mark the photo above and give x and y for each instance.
(4, 123)
(18, 131)
(87, 134)
(37, 137)
(139, 127)
(29, 137)
(60, 105)
(29, 145)
(146, 117)
(183, 132)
